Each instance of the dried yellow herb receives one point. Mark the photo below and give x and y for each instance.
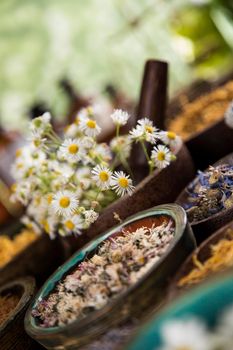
(9, 248)
(220, 259)
(202, 112)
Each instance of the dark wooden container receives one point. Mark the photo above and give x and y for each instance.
(204, 228)
(12, 333)
(214, 142)
(203, 252)
(39, 259)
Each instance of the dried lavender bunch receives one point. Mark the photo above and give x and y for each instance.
(211, 192)
(118, 263)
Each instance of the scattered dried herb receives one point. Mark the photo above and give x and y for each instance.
(7, 305)
(202, 112)
(9, 248)
(221, 258)
(210, 192)
(118, 264)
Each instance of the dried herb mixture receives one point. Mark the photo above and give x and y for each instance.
(7, 305)
(221, 258)
(202, 112)
(118, 264)
(210, 192)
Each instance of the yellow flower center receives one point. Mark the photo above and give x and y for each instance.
(18, 153)
(37, 143)
(69, 224)
(49, 198)
(73, 148)
(19, 166)
(161, 156)
(149, 129)
(46, 226)
(64, 202)
(14, 187)
(123, 182)
(103, 175)
(37, 200)
(171, 135)
(77, 121)
(91, 124)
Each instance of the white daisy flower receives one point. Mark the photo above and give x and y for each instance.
(41, 124)
(89, 127)
(229, 115)
(65, 203)
(30, 224)
(145, 131)
(49, 224)
(73, 224)
(161, 156)
(72, 150)
(90, 216)
(171, 139)
(119, 117)
(122, 145)
(71, 131)
(190, 334)
(102, 177)
(103, 151)
(122, 183)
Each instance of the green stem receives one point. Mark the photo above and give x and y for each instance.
(147, 156)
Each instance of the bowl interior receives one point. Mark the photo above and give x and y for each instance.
(206, 302)
(203, 252)
(184, 200)
(155, 216)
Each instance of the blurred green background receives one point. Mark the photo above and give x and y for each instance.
(92, 44)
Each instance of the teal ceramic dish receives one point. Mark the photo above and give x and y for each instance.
(146, 292)
(206, 302)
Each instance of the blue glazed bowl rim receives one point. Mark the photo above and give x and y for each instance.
(209, 288)
(176, 212)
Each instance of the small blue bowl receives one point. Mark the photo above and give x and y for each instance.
(206, 302)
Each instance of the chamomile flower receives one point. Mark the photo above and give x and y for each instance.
(31, 225)
(71, 131)
(229, 115)
(73, 224)
(89, 127)
(102, 176)
(122, 183)
(144, 131)
(150, 132)
(65, 203)
(41, 125)
(161, 156)
(119, 117)
(171, 139)
(190, 334)
(49, 225)
(72, 150)
(121, 145)
(90, 216)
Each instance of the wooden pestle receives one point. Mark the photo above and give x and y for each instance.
(152, 104)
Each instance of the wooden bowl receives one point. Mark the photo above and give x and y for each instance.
(159, 188)
(204, 228)
(215, 141)
(12, 334)
(39, 259)
(203, 252)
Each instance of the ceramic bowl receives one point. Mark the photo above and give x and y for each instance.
(146, 292)
(206, 302)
